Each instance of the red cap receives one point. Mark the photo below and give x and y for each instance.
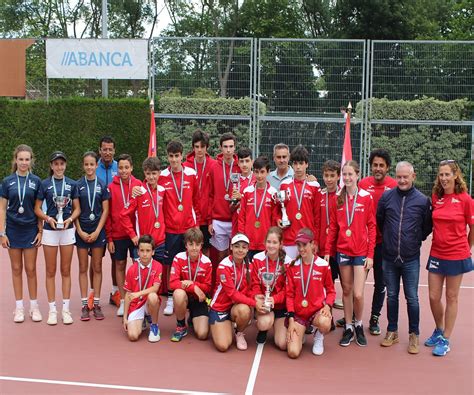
(302, 237)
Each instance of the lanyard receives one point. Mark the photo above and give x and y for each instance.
(299, 199)
(142, 286)
(202, 174)
(180, 193)
(21, 194)
(91, 203)
(55, 192)
(197, 268)
(126, 201)
(277, 271)
(156, 209)
(257, 212)
(351, 217)
(304, 288)
(227, 180)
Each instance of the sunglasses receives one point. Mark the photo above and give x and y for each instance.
(447, 162)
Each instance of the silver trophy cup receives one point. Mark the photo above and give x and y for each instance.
(234, 179)
(282, 197)
(60, 202)
(267, 279)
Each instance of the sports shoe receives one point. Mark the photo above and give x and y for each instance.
(360, 336)
(442, 347)
(52, 318)
(390, 339)
(338, 304)
(90, 300)
(67, 317)
(169, 307)
(333, 326)
(97, 310)
(120, 309)
(413, 344)
(115, 298)
(19, 315)
(240, 341)
(318, 345)
(341, 323)
(309, 330)
(433, 339)
(154, 335)
(347, 337)
(179, 333)
(261, 337)
(35, 314)
(85, 313)
(374, 327)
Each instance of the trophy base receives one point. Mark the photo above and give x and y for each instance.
(60, 225)
(285, 223)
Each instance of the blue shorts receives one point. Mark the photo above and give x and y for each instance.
(21, 236)
(447, 267)
(346, 260)
(174, 245)
(218, 316)
(100, 242)
(121, 248)
(159, 254)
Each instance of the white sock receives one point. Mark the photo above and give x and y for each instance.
(114, 289)
(19, 304)
(358, 322)
(33, 303)
(349, 326)
(122, 302)
(52, 306)
(91, 290)
(66, 304)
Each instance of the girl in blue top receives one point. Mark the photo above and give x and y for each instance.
(90, 232)
(60, 193)
(22, 234)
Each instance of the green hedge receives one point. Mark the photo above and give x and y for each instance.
(216, 106)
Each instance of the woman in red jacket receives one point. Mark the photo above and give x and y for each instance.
(232, 301)
(310, 295)
(352, 232)
(273, 260)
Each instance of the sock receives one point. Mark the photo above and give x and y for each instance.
(84, 302)
(122, 302)
(349, 326)
(170, 295)
(66, 304)
(181, 322)
(96, 301)
(19, 304)
(114, 289)
(91, 290)
(52, 306)
(33, 303)
(358, 322)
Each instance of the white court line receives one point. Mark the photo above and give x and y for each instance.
(108, 386)
(254, 370)
(420, 285)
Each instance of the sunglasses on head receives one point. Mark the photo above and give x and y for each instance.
(447, 162)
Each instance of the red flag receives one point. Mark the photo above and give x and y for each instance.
(152, 143)
(347, 148)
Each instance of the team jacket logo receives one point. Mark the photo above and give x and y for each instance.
(433, 264)
(454, 200)
(31, 184)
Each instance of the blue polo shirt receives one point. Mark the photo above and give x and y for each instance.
(104, 174)
(275, 180)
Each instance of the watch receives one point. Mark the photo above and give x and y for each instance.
(2, 234)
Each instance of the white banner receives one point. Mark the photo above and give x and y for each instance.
(97, 59)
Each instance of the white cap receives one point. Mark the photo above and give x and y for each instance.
(239, 237)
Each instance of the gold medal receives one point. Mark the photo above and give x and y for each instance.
(348, 233)
(157, 225)
(298, 216)
(226, 196)
(257, 224)
(180, 207)
(304, 303)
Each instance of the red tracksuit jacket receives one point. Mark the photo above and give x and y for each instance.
(323, 223)
(180, 272)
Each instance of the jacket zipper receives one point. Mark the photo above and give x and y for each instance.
(400, 228)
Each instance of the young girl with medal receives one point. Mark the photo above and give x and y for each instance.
(22, 235)
(118, 241)
(62, 201)
(304, 201)
(310, 295)
(90, 232)
(142, 283)
(190, 280)
(268, 273)
(351, 236)
(231, 302)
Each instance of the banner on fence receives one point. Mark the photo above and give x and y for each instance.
(97, 59)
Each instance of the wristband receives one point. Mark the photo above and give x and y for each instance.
(290, 314)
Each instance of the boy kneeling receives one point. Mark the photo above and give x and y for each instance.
(142, 283)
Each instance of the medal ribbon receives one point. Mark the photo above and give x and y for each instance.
(327, 208)
(351, 218)
(180, 193)
(310, 274)
(55, 192)
(91, 204)
(156, 209)
(197, 268)
(299, 199)
(277, 271)
(142, 286)
(21, 194)
(126, 202)
(202, 174)
(227, 181)
(237, 286)
(257, 212)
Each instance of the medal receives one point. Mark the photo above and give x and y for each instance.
(305, 286)
(226, 196)
(304, 303)
(89, 200)
(257, 224)
(156, 209)
(126, 205)
(299, 199)
(179, 193)
(156, 225)
(350, 217)
(348, 233)
(259, 210)
(21, 194)
(197, 268)
(226, 181)
(202, 173)
(126, 201)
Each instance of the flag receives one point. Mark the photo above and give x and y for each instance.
(347, 147)
(152, 143)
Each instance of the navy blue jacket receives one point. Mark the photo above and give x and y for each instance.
(404, 218)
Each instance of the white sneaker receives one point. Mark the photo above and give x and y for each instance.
(19, 315)
(52, 318)
(35, 314)
(169, 307)
(318, 345)
(120, 309)
(154, 335)
(67, 317)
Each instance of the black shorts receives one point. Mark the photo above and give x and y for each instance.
(174, 244)
(121, 248)
(197, 308)
(207, 236)
(280, 313)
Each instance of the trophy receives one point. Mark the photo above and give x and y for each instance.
(234, 179)
(60, 202)
(267, 279)
(281, 197)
